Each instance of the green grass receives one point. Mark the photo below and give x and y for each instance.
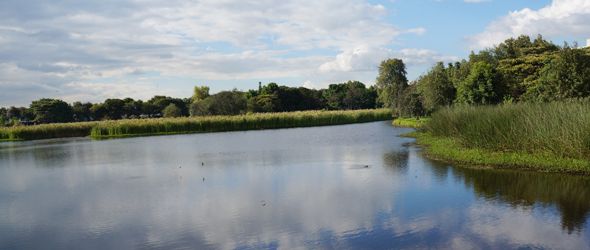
(451, 150)
(559, 128)
(126, 128)
(412, 122)
(46, 131)
(143, 127)
(551, 137)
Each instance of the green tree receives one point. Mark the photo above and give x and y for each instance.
(566, 76)
(172, 111)
(223, 103)
(162, 102)
(391, 82)
(436, 88)
(82, 111)
(3, 117)
(334, 96)
(51, 110)
(411, 103)
(262, 103)
(480, 86)
(113, 109)
(132, 108)
(357, 96)
(200, 93)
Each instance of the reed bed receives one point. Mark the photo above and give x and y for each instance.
(125, 128)
(46, 131)
(559, 128)
(141, 127)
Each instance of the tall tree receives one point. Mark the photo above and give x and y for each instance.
(172, 111)
(200, 93)
(391, 82)
(480, 87)
(566, 76)
(51, 110)
(223, 103)
(436, 88)
(82, 111)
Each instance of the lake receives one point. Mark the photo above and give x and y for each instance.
(339, 187)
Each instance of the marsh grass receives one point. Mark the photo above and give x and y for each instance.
(142, 127)
(451, 150)
(413, 122)
(125, 128)
(560, 129)
(46, 131)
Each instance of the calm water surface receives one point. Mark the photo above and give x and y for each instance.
(289, 188)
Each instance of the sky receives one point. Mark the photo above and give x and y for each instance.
(96, 49)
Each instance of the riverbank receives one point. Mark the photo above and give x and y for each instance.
(413, 122)
(549, 137)
(451, 150)
(184, 125)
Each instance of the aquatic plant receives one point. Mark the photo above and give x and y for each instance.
(138, 127)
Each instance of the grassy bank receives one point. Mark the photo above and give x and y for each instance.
(413, 122)
(46, 131)
(543, 136)
(451, 150)
(125, 128)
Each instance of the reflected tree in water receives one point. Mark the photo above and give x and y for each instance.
(397, 161)
(569, 194)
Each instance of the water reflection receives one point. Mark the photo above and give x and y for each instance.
(570, 194)
(294, 188)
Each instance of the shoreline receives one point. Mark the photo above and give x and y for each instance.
(188, 125)
(451, 151)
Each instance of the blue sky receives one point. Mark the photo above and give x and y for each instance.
(92, 50)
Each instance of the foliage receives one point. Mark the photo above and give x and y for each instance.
(391, 82)
(172, 111)
(263, 103)
(82, 111)
(223, 103)
(558, 128)
(123, 128)
(451, 149)
(200, 93)
(567, 75)
(519, 69)
(51, 110)
(480, 87)
(46, 131)
(411, 104)
(416, 122)
(436, 88)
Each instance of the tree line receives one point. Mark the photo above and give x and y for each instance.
(268, 98)
(517, 70)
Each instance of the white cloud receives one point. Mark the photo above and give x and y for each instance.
(60, 44)
(560, 18)
(365, 58)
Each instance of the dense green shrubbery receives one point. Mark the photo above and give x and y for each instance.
(559, 128)
(517, 70)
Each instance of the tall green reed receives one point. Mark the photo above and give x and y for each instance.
(560, 128)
